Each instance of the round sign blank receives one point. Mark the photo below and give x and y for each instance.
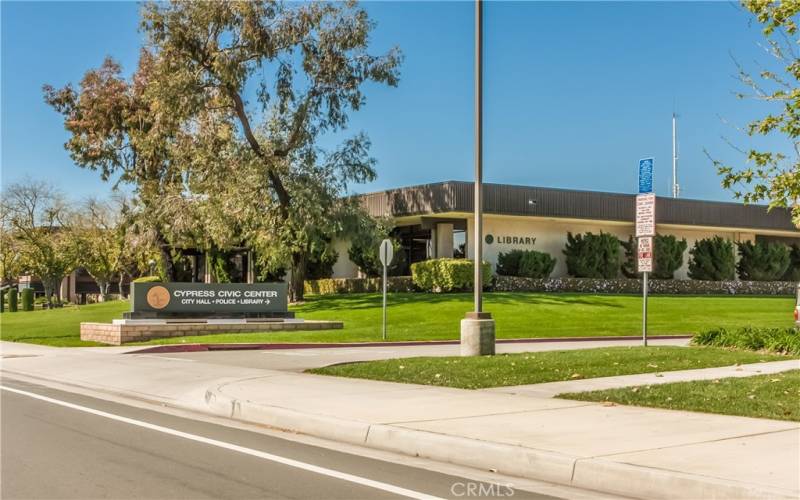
(386, 252)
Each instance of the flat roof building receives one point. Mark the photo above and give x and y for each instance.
(435, 220)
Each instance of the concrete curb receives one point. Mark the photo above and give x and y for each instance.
(588, 473)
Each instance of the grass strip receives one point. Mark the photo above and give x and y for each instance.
(540, 367)
(775, 396)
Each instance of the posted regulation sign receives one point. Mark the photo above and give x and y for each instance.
(645, 215)
(645, 254)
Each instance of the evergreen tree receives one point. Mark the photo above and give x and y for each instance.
(591, 255)
(762, 260)
(712, 259)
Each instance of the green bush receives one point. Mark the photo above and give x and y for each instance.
(667, 255)
(12, 300)
(147, 279)
(508, 263)
(793, 271)
(777, 340)
(762, 260)
(2, 301)
(525, 263)
(712, 259)
(592, 255)
(535, 264)
(27, 299)
(447, 275)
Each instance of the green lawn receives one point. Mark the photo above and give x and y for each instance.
(766, 396)
(436, 317)
(540, 367)
(57, 327)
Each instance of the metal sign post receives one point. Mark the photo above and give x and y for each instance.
(645, 230)
(386, 253)
(645, 258)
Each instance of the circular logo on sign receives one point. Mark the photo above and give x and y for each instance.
(489, 239)
(158, 297)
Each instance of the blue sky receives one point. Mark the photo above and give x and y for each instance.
(575, 92)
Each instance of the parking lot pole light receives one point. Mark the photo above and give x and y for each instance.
(477, 328)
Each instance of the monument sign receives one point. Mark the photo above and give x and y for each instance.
(208, 299)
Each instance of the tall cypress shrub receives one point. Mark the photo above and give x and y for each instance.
(712, 259)
(12, 300)
(27, 299)
(762, 260)
(592, 255)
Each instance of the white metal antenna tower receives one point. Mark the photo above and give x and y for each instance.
(676, 188)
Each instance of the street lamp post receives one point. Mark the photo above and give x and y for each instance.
(477, 328)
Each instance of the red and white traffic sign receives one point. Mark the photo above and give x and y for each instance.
(645, 214)
(645, 254)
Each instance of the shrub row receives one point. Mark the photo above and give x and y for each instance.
(590, 255)
(634, 286)
(777, 340)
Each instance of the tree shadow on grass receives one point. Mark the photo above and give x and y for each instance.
(373, 301)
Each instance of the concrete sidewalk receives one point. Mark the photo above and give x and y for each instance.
(638, 452)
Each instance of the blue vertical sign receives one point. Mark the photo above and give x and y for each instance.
(646, 175)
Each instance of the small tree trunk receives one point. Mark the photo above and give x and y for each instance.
(48, 291)
(298, 277)
(166, 256)
(121, 291)
(103, 285)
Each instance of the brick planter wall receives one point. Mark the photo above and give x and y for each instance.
(108, 333)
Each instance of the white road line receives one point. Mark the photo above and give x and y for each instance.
(228, 446)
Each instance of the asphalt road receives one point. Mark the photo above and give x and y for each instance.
(100, 449)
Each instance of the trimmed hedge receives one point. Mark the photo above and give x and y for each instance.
(333, 286)
(447, 275)
(777, 340)
(633, 286)
(27, 299)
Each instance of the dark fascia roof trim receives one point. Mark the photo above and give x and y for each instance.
(505, 199)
